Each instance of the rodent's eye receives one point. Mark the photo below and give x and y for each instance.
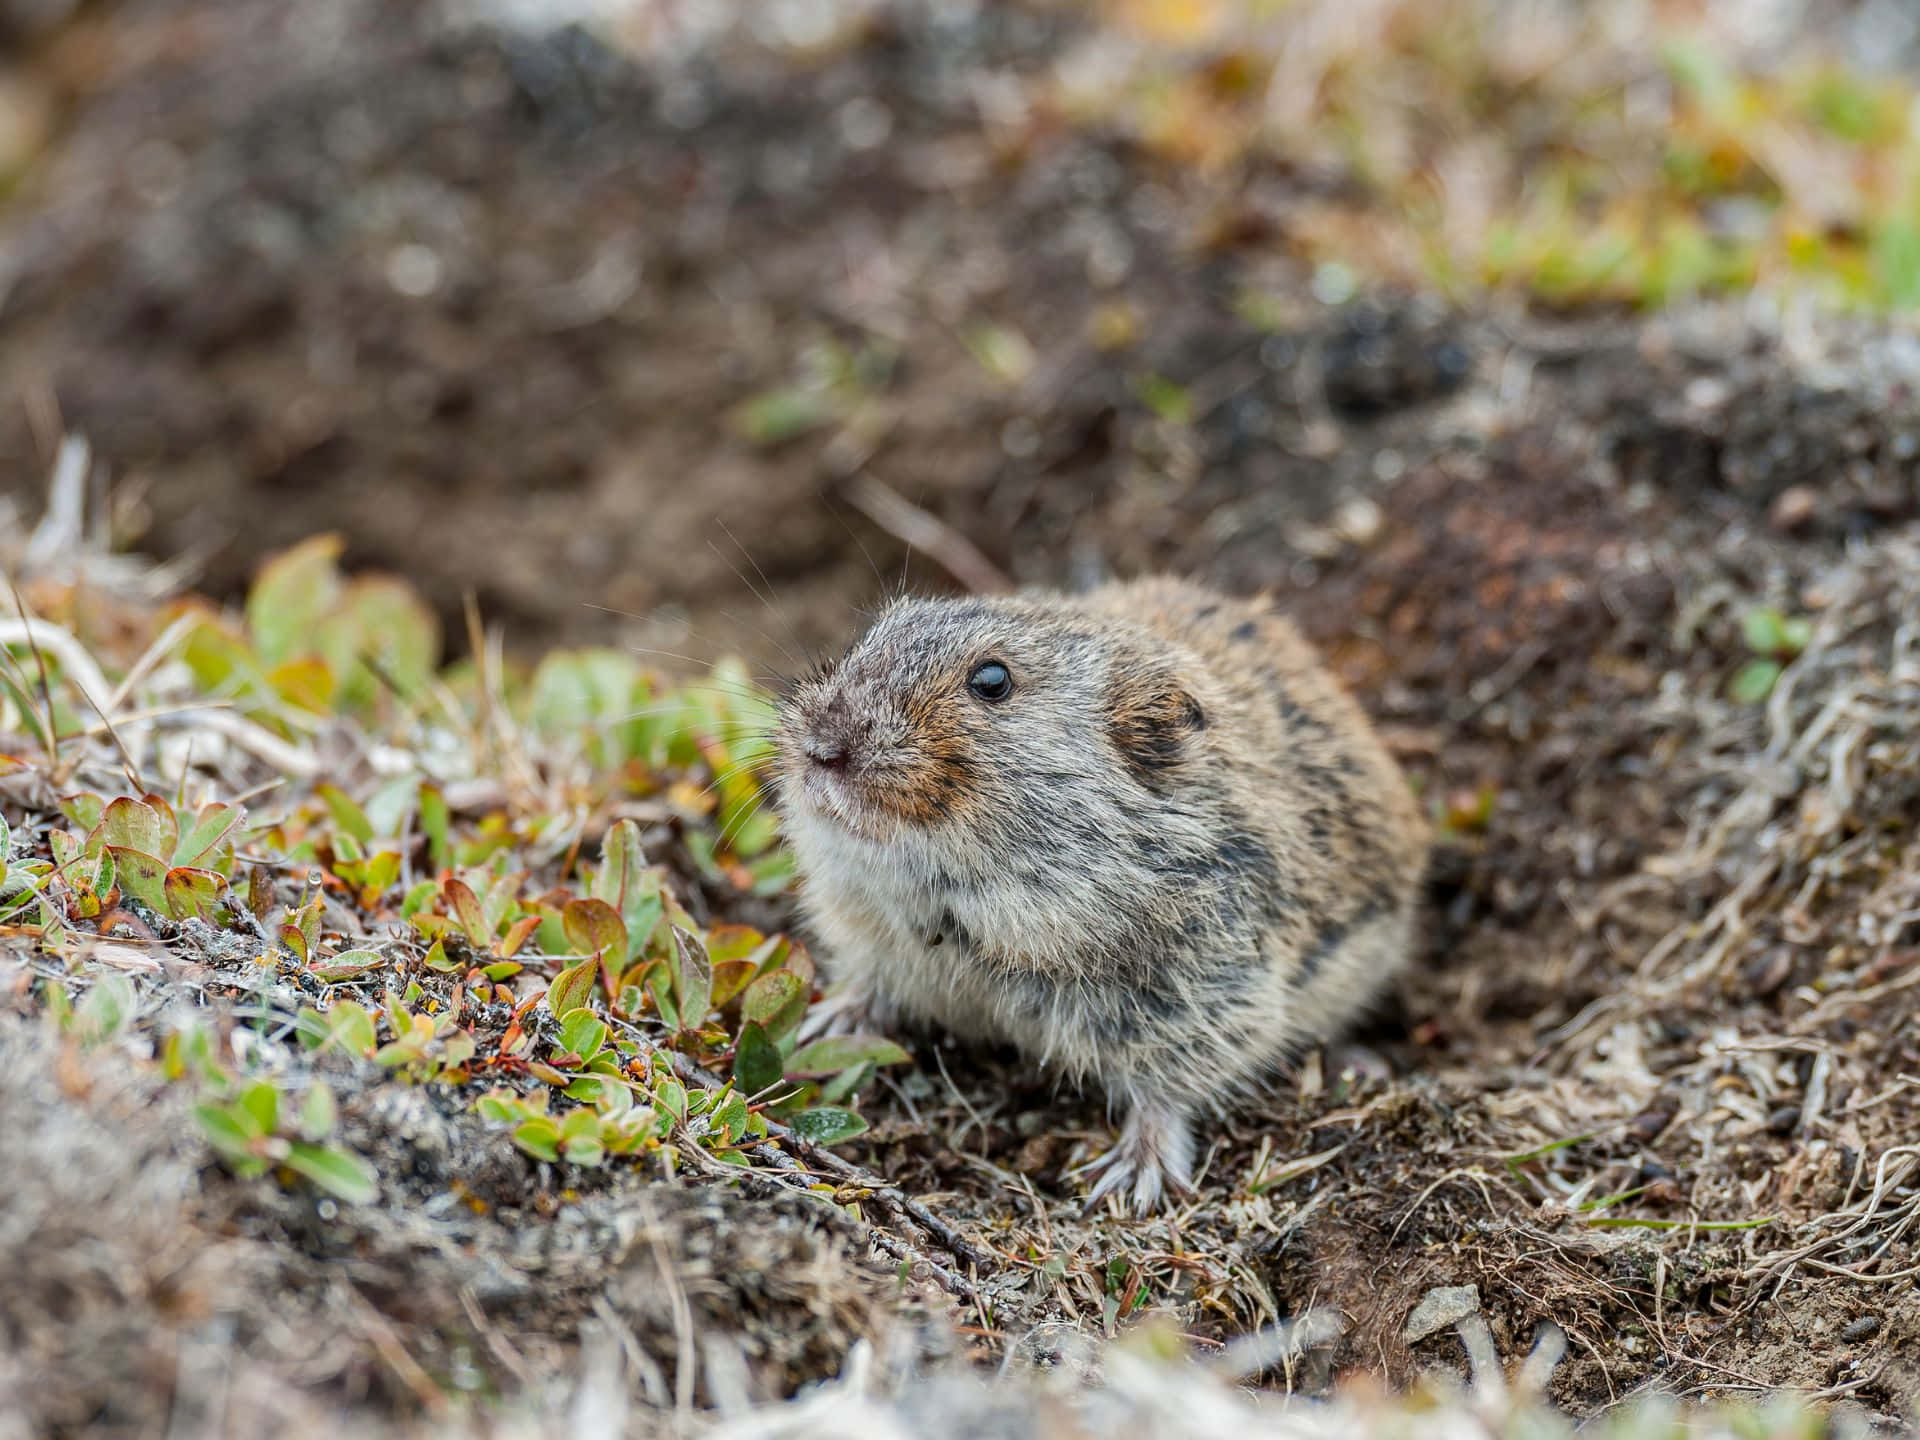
(990, 681)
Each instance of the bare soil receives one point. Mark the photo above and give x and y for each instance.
(490, 305)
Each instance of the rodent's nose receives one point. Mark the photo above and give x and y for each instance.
(829, 753)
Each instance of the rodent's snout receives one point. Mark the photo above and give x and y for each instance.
(829, 753)
(831, 740)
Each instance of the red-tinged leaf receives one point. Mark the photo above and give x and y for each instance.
(730, 977)
(66, 848)
(595, 928)
(572, 988)
(259, 892)
(133, 825)
(733, 942)
(292, 937)
(466, 905)
(308, 919)
(834, 1053)
(169, 826)
(796, 961)
(141, 875)
(517, 934)
(194, 893)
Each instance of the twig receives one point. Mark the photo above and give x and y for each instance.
(885, 1196)
(387, 1345)
(924, 531)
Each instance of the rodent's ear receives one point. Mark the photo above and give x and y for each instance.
(1153, 719)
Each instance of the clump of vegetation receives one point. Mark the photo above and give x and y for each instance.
(476, 944)
(1574, 154)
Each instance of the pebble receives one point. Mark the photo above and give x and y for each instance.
(1440, 1307)
(1793, 509)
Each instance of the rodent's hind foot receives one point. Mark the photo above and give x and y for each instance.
(846, 1010)
(1154, 1155)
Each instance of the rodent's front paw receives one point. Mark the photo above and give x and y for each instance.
(1154, 1155)
(850, 1010)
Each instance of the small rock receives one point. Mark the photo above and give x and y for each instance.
(1793, 509)
(1865, 1328)
(1440, 1307)
(1358, 521)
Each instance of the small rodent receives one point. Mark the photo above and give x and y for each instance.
(1141, 833)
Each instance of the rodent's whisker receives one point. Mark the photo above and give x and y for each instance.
(718, 682)
(765, 599)
(742, 767)
(705, 639)
(741, 821)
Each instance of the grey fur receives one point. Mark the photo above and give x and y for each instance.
(1175, 855)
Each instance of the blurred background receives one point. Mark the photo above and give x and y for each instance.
(616, 312)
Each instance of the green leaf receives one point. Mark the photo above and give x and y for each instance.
(756, 1060)
(782, 413)
(380, 620)
(346, 814)
(847, 1082)
(351, 1028)
(434, 824)
(692, 978)
(291, 594)
(503, 1107)
(827, 1125)
(572, 988)
(1754, 681)
(318, 1113)
(730, 1118)
(231, 1141)
(339, 1174)
(835, 1053)
(105, 1010)
(141, 875)
(210, 833)
(582, 1033)
(84, 810)
(583, 1150)
(347, 965)
(259, 1108)
(625, 882)
(539, 1137)
(1172, 402)
(1762, 629)
(777, 1001)
(671, 1096)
